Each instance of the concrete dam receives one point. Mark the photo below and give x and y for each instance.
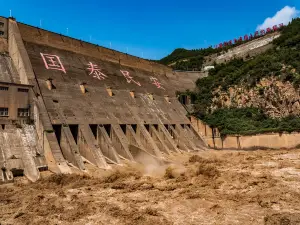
(65, 103)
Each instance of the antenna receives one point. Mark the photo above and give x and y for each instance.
(10, 13)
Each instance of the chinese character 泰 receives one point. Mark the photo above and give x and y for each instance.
(129, 78)
(96, 71)
(52, 62)
(156, 83)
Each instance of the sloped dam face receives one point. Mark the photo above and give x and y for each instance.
(67, 102)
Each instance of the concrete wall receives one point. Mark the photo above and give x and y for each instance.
(40, 36)
(66, 103)
(269, 141)
(260, 141)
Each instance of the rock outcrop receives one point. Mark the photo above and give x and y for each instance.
(278, 99)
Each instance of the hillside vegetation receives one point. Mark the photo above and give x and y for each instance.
(281, 63)
(183, 59)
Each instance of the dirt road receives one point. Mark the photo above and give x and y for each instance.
(212, 187)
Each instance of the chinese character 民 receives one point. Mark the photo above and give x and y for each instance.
(52, 62)
(156, 83)
(129, 78)
(96, 71)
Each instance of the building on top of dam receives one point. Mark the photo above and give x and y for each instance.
(65, 103)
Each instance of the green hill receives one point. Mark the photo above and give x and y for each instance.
(183, 59)
(266, 77)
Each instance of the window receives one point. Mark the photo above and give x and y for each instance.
(3, 88)
(1, 24)
(3, 111)
(23, 112)
(22, 90)
(1, 33)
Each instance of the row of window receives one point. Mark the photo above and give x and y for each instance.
(2, 88)
(22, 112)
(1, 31)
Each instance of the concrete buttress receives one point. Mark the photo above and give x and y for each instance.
(179, 139)
(106, 146)
(159, 140)
(168, 138)
(147, 140)
(120, 142)
(185, 136)
(89, 148)
(70, 149)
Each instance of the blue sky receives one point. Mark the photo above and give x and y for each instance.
(150, 29)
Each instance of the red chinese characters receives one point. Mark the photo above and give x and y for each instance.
(269, 30)
(52, 62)
(251, 36)
(156, 83)
(96, 71)
(129, 78)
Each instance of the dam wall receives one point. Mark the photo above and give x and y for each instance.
(86, 104)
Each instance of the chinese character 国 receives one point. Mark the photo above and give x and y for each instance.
(52, 62)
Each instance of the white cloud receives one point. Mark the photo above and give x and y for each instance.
(284, 16)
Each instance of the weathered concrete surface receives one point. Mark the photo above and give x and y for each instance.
(107, 147)
(20, 152)
(69, 148)
(89, 148)
(8, 72)
(120, 142)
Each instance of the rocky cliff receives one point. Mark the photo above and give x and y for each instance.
(278, 99)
